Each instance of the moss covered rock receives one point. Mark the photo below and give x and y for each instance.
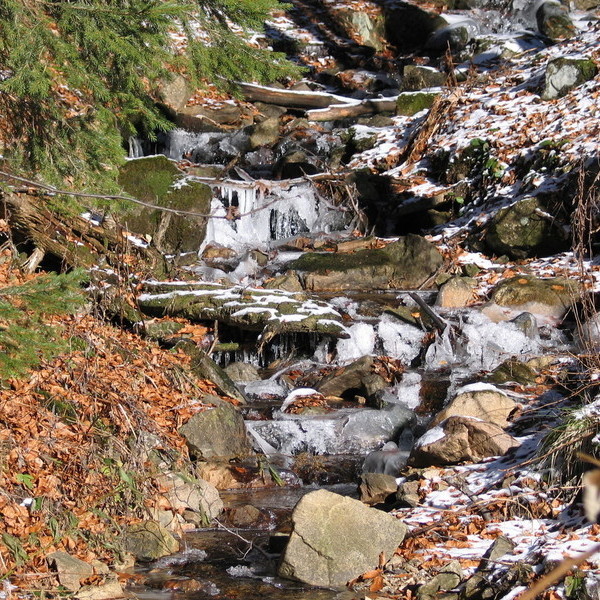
(550, 296)
(554, 22)
(157, 181)
(417, 77)
(525, 229)
(563, 74)
(409, 262)
(410, 103)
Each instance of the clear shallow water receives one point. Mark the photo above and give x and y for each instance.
(236, 563)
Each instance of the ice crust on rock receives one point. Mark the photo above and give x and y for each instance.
(482, 344)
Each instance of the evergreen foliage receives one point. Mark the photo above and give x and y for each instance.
(77, 76)
(25, 335)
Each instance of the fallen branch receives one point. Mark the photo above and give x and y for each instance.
(341, 111)
(291, 98)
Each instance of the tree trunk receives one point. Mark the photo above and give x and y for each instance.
(75, 241)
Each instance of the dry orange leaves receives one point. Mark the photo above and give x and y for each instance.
(67, 432)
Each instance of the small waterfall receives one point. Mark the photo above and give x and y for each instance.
(136, 149)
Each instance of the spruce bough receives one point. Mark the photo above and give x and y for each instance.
(77, 78)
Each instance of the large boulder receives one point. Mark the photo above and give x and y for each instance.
(335, 538)
(409, 262)
(524, 230)
(217, 432)
(565, 73)
(157, 181)
(480, 400)
(460, 439)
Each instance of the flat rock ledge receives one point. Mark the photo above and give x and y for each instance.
(254, 309)
(335, 538)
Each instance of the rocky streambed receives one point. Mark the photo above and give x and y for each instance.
(380, 261)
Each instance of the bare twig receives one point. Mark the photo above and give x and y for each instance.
(558, 573)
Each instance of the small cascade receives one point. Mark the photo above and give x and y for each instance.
(136, 149)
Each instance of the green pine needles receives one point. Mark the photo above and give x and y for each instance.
(77, 77)
(25, 335)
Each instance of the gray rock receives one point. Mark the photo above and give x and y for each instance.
(357, 376)
(408, 493)
(217, 432)
(457, 292)
(241, 372)
(105, 591)
(335, 538)
(198, 496)
(366, 27)
(459, 439)
(528, 324)
(523, 230)
(376, 487)
(499, 548)
(389, 460)
(483, 401)
(440, 582)
(149, 540)
(70, 569)
(266, 133)
(564, 74)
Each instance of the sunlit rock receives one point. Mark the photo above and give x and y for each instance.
(459, 439)
(564, 74)
(481, 400)
(335, 538)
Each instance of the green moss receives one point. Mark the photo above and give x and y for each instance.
(148, 179)
(158, 181)
(410, 103)
(316, 261)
